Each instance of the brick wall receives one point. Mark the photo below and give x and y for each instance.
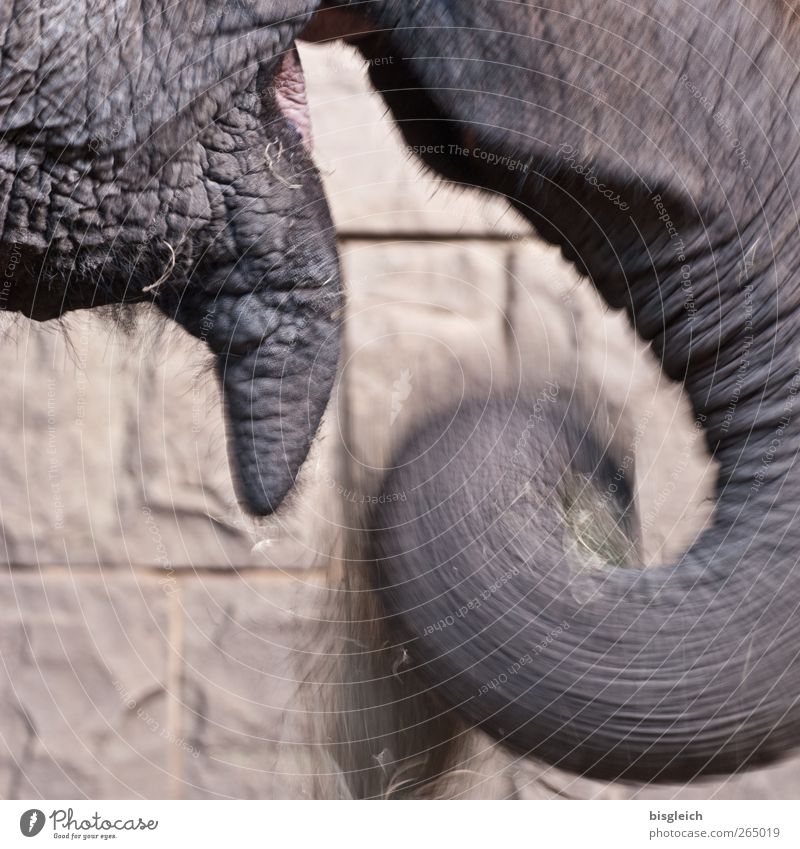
(154, 641)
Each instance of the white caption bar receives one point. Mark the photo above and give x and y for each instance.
(400, 825)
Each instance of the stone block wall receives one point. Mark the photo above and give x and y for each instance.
(154, 642)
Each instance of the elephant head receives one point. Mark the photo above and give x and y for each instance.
(660, 153)
(160, 152)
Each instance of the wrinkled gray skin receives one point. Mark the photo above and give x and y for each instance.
(145, 156)
(686, 114)
(685, 669)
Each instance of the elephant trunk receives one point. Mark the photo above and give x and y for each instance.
(661, 674)
(267, 299)
(275, 391)
(276, 358)
(265, 294)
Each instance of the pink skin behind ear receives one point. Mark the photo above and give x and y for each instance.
(290, 94)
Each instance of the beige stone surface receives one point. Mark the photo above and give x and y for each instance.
(425, 326)
(115, 450)
(115, 455)
(373, 185)
(84, 693)
(248, 646)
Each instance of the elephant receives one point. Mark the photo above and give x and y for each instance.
(160, 153)
(655, 144)
(659, 153)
